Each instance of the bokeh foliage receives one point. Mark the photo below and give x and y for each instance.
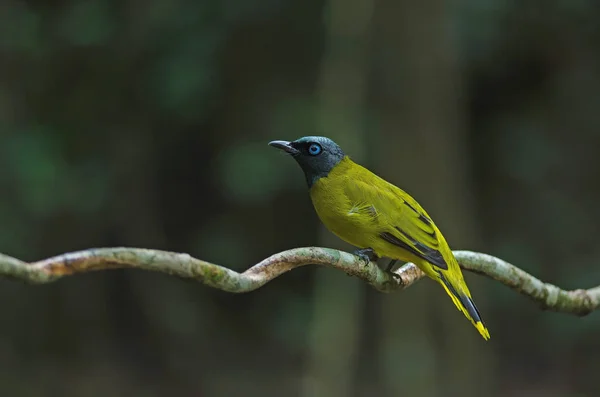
(144, 123)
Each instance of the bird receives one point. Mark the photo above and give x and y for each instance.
(377, 217)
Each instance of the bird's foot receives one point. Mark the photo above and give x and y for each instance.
(366, 254)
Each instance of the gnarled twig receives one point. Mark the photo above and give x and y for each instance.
(550, 297)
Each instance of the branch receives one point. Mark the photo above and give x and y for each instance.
(549, 297)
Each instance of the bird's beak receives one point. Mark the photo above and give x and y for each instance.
(285, 146)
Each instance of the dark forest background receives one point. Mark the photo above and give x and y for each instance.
(145, 123)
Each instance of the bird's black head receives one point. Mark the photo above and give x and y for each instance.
(316, 155)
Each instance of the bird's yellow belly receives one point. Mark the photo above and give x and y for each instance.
(347, 226)
(356, 225)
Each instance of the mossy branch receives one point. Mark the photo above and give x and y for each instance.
(548, 296)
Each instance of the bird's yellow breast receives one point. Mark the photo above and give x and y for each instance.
(352, 217)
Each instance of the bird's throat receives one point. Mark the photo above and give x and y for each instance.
(315, 171)
(313, 177)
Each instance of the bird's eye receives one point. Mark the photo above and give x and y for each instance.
(314, 149)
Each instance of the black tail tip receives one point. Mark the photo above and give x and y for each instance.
(471, 309)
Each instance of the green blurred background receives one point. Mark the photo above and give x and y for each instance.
(145, 123)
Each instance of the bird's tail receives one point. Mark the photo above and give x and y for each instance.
(462, 299)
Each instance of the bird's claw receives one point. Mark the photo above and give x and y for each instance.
(366, 254)
(396, 276)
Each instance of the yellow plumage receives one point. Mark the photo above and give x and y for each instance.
(369, 212)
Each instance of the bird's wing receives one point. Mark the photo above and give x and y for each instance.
(403, 221)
